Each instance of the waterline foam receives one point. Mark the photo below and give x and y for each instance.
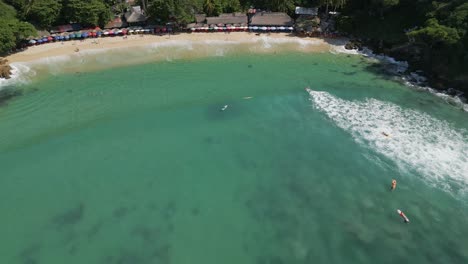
(415, 141)
(399, 69)
(21, 73)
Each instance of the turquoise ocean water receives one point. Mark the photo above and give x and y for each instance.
(137, 164)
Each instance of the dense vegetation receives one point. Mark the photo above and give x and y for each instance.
(432, 34)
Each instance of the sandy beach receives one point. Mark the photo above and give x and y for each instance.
(57, 49)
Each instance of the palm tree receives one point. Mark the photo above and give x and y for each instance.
(209, 7)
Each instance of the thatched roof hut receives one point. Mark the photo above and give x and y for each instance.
(271, 19)
(135, 16)
(230, 18)
(200, 18)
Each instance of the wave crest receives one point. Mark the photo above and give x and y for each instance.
(415, 141)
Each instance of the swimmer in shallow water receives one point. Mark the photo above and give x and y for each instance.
(385, 134)
(393, 185)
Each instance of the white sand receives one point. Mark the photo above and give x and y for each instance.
(57, 49)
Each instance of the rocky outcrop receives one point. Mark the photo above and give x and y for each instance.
(5, 69)
(354, 45)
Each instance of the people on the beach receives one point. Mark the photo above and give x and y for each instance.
(393, 184)
(77, 49)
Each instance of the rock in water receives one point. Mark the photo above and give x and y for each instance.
(5, 69)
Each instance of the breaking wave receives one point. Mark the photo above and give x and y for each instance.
(415, 141)
(20, 74)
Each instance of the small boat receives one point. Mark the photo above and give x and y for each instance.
(224, 107)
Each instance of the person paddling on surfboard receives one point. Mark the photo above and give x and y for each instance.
(403, 216)
(393, 185)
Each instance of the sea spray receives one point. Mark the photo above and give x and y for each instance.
(413, 140)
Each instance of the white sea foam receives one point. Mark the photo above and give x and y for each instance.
(416, 141)
(338, 46)
(20, 74)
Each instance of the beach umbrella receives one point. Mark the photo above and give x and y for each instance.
(78, 35)
(163, 29)
(85, 35)
(39, 41)
(66, 37)
(32, 41)
(273, 28)
(106, 33)
(290, 28)
(281, 28)
(98, 34)
(131, 31)
(119, 31)
(255, 28)
(264, 28)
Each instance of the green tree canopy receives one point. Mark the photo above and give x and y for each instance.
(434, 33)
(168, 10)
(212, 7)
(87, 12)
(44, 12)
(6, 11)
(12, 30)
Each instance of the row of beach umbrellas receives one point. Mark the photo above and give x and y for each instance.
(96, 34)
(242, 28)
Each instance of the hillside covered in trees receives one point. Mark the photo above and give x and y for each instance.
(431, 35)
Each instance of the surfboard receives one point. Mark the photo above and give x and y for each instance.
(403, 216)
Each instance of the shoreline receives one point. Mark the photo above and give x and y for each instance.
(109, 52)
(95, 45)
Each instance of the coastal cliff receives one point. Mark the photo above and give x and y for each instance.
(5, 69)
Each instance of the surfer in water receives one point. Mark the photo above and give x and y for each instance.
(393, 185)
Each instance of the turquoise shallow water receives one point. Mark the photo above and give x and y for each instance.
(139, 165)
